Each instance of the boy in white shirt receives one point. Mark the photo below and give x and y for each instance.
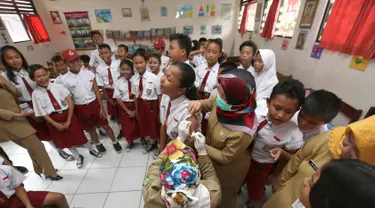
(247, 54)
(180, 48)
(95, 59)
(198, 57)
(276, 134)
(159, 48)
(60, 67)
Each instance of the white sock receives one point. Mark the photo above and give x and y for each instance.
(89, 146)
(115, 142)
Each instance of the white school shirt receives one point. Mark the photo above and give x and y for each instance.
(160, 74)
(151, 86)
(10, 180)
(286, 136)
(95, 59)
(42, 102)
(80, 86)
(178, 112)
(250, 69)
(102, 74)
(310, 133)
(164, 62)
(121, 90)
(25, 95)
(199, 60)
(211, 82)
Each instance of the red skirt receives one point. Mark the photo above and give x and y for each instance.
(148, 118)
(111, 109)
(39, 125)
(36, 198)
(130, 127)
(89, 115)
(256, 179)
(73, 136)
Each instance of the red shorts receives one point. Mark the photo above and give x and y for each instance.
(39, 125)
(73, 136)
(130, 127)
(256, 179)
(148, 118)
(111, 109)
(89, 115)
(36, 198)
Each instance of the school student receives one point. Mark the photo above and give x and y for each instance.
(177, 87)
(14, 195)
(159, 48)
(276, 133)
(87, 99)
(126, 104)
(154, 63)
(95, 59)
(85, 60)
(265, 73)
(179, 48)
(122, 52)
(53, 102)
(198, 57)
(146, 88)
(247, 54)
(60, 67)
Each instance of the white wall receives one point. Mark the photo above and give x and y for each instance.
(331, 72)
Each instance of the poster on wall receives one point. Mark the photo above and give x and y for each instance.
(359, 63)
(226, 11)
(145, 14)
(80, 30)
(316, 52)
(55, 16)
(126, 12)
(188, 29)
(285, 44)
(184, 11)
(163, 11)
(301, 39)
(203, 30)
(216, 29)
(103, 15)
(308, 14)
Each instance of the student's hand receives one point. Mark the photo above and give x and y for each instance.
(131, 114)
(199, 143)
(60, 126)
(67, 124)
(276, 153)
(183, 130)
(23, 114)
(110, 101)
(103, 114)
(270, 180)
(194, 107)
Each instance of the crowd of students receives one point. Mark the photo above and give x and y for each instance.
(212, 126)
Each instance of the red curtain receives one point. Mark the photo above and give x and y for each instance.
(350, 28)
(270, 24)
(242, 29)
(35, 27)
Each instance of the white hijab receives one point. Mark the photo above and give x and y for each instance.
(266, 79)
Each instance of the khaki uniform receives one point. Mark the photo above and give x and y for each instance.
(228, 152)
(291, 179)
(21, 132)
(152, 185)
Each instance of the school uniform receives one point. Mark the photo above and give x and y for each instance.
(107, 77)
(26, 86)
(87, 106)
(146, 88)
(130, 127)
(199, 59)
(95, 59)
(51, 101)
(164, 62)
(12, 179)
(160, 74)
(310, 133)
(173, 112)
(250, 69)
(286, 136)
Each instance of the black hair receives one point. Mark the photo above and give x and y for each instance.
(344, 183)
(157, 56)
(95, 32)
(202, 39)
(123, 46)
(140, 52)
(129, 63)
(103, 46)
(33, 68)
(227, 66)
(187, 80)
(250, 44)
(85, 58)
(217, 41)
(290, 88)
(56, 58)
(324, 104)
(184, 42)
(9, 70)
(195, 46)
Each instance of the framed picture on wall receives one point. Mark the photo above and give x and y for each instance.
(308, 14)
(55, 16)
(126, 12)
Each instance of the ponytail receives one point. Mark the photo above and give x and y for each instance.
(191, 93)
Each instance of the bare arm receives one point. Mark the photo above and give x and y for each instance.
(97, 93)
(70, 108)
(22, 195)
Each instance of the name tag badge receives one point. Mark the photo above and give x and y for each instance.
(148, 91)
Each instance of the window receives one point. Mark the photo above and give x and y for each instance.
(10, 13)
(324, 21)
(286, 21)
(250, 14)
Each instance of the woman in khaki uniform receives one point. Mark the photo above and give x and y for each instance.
(355, 141)
(231, 128)
(15, 127)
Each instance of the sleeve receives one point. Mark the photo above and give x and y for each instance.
(235, 143)
(1, 160)
(295, 141)
(196, 82)
(6, 114)
(208, 104)
(157, 86)
(64, 91)
(210, 180)
(116, 92)
(37, 107)
(16, 178)
(99, 77)
(93, 62)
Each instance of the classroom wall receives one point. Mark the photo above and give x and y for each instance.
(331, 72)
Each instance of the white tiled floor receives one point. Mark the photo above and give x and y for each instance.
(110, 182)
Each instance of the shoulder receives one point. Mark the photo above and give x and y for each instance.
(116, 62)
(151, 76)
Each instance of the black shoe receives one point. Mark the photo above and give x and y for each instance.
(151, 148)
(22, 169)
(66, 156)
(143, 142)
(79, 163)
(56, 178)
(96, 154)
(119, 136)
(129, 146)
(117, 147)
(101, 148)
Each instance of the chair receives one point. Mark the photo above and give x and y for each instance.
(370, 112)
(350, 112)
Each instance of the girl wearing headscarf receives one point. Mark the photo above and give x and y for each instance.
(355, 141)
(264, 72)
(231, 127)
